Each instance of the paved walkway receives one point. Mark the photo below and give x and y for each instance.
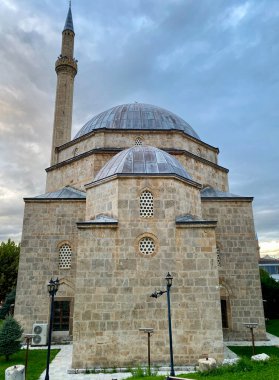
(58, 369)
(62, 362)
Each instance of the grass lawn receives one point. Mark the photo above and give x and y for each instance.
(244, 370)
(272, 326)
(247, 351)
(36, 362)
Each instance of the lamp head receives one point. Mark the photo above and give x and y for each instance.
(168, 279)
(53, 286)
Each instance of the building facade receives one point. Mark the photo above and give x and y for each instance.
(134, 195)
(270, 265)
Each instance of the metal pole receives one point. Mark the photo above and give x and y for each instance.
(148, 348)
(26, 356)
(170, 331)
(49, 334)
(253, 340)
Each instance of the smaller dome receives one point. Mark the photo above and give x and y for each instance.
(142, 160)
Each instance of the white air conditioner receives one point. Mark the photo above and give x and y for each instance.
(40, 331)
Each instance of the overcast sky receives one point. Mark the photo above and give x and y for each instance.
(212, 62)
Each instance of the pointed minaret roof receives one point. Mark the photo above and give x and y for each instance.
(69, 20)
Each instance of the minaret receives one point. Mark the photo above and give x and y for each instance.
(66, 69)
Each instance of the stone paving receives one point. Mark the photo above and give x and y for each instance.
(62, 363)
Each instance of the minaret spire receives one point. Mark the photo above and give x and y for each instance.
(69, 20)
(66, 69)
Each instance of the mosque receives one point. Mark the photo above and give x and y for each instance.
(134, 195)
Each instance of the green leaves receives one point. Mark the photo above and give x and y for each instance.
(9, 258)
(10, 335)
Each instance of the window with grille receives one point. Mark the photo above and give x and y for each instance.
(147, 246)
(138, 141)
(146, 204)
(65, 256)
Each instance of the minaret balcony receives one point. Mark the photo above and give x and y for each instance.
(66, 63)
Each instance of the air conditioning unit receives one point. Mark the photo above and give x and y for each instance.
(40, 331)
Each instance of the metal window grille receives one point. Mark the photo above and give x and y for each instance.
(138, 141)
(146, 246)
(146, 204)
(65, 256)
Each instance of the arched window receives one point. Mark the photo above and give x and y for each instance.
(65, 256)
(146, 204)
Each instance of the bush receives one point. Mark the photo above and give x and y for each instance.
(10, 335)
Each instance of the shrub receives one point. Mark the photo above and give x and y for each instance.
(10, 335)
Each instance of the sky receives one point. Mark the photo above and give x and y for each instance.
(213, 63)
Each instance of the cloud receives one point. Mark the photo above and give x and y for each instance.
(213, 64)
(270, 248)
(236, 14)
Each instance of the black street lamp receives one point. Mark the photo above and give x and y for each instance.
(52, 287)
(157, 294)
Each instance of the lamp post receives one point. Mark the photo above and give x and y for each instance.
(149, 331)
(52, 287)
(157, 294)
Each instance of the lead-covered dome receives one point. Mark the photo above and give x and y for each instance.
(137, 116)
(142, 160)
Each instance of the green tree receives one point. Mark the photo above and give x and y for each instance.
(9, 258)
(270, 292)
(10, 335)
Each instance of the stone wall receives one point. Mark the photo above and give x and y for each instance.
(81, 171)
(115, 280)
(239, 270)
(102, 199)
(126, 139)
(205, 174)
(46, 225)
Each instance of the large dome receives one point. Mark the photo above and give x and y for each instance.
(142, 160)
(137, 116)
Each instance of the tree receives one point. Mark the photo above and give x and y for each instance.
(9, 258)
(270, 291)
(7, 307)
(10, 335)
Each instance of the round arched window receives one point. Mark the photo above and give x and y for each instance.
(146, 246)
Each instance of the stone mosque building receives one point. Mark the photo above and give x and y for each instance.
(134, 195)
